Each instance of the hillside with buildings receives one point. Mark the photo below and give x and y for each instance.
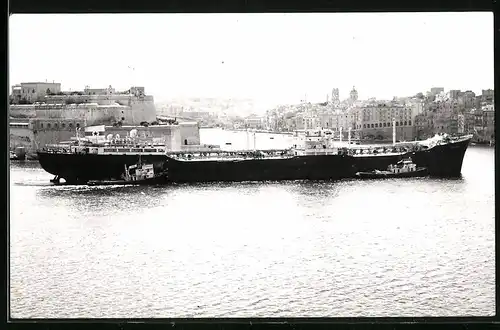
(415, 117)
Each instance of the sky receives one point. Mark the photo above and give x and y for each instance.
(270, 58)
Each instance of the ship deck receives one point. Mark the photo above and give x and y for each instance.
(382, 154)
(225, 159)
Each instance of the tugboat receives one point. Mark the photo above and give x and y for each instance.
(18, 154)
(137, 174)
(405, 168)
(12, 156)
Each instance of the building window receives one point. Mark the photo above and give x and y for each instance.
(70, 125)
(55, 125)
(48, 125)
(397, 123)
(63, 125)
(376, 125)
(41, 125)
(371, 125)
(364, 125)
(78, 125)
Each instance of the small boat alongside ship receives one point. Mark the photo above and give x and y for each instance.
(18, 153)
(137, 174)
(405, 168)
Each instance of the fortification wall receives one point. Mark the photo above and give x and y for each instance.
(21, 137)
(128, 110)
(176, 139)
(92, 113)
(42, 138)
(22, 111)
(33, 139)
(189, 133)
(142, 111)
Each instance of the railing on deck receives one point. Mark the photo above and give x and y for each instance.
(238, 154)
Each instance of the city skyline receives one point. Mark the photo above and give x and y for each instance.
(270, 58)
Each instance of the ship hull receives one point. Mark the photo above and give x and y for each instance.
(440, 161)
(325, 167)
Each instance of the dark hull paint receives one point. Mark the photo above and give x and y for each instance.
(441, 161)
(295, 168)
(76, 168)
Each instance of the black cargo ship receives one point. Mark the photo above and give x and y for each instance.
(318, 158)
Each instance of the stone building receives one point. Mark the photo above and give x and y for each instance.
(488, 96)
(30, 92)
(375, 121)
(437, 90)
(254, 122)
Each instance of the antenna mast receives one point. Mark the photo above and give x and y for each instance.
(393, 131)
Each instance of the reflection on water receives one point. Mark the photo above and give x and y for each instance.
(417, 247)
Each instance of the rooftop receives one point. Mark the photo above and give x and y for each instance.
(39, 82)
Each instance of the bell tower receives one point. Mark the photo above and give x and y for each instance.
(354, 94)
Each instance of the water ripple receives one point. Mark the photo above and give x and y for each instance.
(347, 248)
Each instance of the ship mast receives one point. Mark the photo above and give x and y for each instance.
(248, 139)
(255, 141)
(393, 131)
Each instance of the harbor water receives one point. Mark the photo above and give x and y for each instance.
(349, 248)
